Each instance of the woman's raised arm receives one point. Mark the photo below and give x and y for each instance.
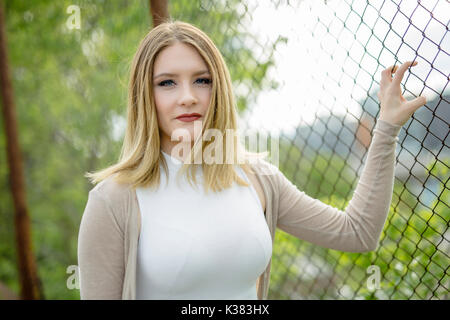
(358, 227)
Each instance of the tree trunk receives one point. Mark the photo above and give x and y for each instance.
(30, 285)
(158, 11)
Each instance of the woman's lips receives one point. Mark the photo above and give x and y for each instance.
(188, 119)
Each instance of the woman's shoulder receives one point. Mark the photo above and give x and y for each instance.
(263, 167)
(270, 176)
(113, 192)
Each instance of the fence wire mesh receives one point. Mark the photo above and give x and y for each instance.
(307, 72)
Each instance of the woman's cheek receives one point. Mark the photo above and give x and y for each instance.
(205, 95)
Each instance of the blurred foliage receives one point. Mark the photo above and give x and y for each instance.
(412, 255)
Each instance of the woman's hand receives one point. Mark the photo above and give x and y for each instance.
(394, 108)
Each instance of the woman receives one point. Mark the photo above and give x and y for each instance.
(144, 235)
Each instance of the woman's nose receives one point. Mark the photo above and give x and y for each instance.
(187, 96)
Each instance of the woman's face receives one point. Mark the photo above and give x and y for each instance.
(181, 85)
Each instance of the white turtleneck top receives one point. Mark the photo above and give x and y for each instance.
(195, 245)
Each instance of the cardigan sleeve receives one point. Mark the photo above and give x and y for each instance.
(100, 251)
(358, 227)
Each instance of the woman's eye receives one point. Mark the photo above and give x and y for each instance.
(207, 81)
(166, 83)
(162, 83)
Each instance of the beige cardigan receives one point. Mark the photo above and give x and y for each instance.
(109, 229)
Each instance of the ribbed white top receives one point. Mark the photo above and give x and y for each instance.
(195, 245)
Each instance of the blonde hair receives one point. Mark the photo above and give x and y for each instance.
(141, 156)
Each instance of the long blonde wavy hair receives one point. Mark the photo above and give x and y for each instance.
(141, 156)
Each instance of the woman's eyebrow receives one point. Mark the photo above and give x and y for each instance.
(173, 74)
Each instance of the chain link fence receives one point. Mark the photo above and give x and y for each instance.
(308, 72)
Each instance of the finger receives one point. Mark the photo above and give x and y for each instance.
(416, 103)
(401, 71)
(394, 70)
(386, 76)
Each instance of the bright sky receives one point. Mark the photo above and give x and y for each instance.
(306, 71)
